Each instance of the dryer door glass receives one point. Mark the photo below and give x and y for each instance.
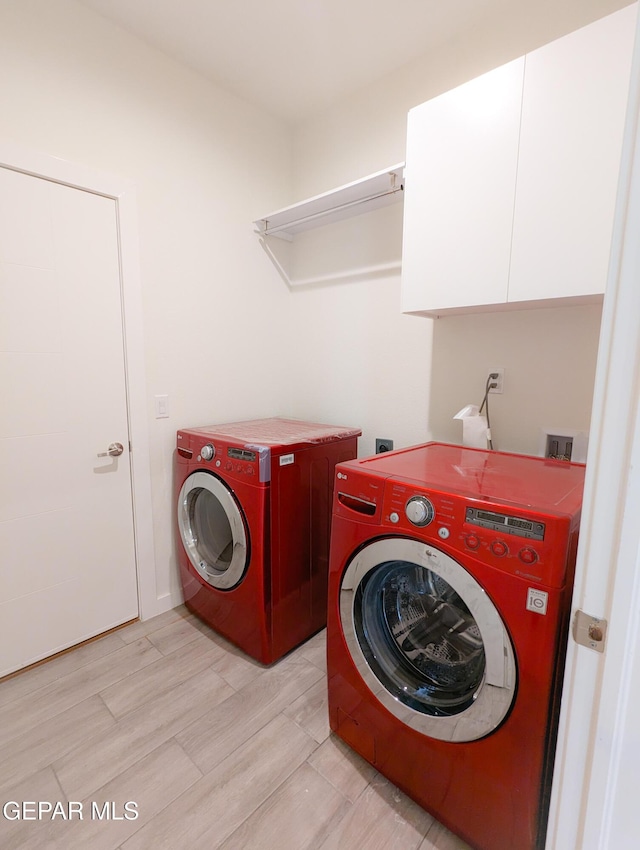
(427, 640)
(212, 530)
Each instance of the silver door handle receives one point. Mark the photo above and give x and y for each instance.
(114, 450)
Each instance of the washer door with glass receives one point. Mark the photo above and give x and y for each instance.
(427, 640)
(212, 530)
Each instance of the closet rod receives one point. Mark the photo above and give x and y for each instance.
(269, 231)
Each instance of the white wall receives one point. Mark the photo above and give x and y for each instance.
(359, 361)
(204, 164)
(549, 356)
(418, 373)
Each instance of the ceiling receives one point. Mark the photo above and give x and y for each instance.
(296, 57)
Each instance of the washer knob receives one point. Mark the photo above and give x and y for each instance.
(419, 511)
(528, 555)
(207, 452)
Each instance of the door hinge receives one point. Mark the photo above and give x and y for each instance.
(589, 631)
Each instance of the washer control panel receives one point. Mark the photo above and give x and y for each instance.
(520, 542)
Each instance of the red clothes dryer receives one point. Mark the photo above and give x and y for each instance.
(253, 515)
(449, 597)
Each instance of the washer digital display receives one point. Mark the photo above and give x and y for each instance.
(506, 524)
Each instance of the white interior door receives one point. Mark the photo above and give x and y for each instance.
(595, 799)
(67, 558)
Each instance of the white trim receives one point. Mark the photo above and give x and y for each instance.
(122, 192)
(597, 716)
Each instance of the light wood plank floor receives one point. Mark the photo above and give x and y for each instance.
(215, 750)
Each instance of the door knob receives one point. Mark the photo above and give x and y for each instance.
(114, 450)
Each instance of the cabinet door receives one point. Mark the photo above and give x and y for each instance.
(575, 95)
(460, 176)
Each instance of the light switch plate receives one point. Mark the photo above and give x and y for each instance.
(162, 406)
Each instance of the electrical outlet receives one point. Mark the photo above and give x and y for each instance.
(499, 381)
(383, 445)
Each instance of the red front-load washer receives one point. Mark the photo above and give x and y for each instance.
(253, 515)
(450, 584)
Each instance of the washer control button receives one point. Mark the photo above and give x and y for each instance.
(419, 511)
(207, 452)
(394, 517)
(472, 541)
(528, 556)
(443, 532)
(499, 548)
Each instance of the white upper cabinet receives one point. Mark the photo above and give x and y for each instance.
(573, 112)
(511, 178)
(460, 181)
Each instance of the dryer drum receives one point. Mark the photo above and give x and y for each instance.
(211, 529)
(419, 638)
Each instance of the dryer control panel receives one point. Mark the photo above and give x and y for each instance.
(247, 463)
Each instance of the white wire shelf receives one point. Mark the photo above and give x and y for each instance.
(361, 196)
